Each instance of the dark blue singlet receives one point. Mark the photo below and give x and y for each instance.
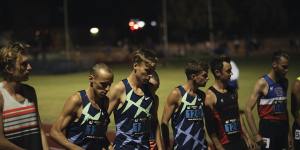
(133, 119)
(188, 122)
(89, 132)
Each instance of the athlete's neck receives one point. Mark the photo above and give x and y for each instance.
(273, 76)
(220, 86)
(11, 86)
(191, 86)
(93, 98)
(133, 80)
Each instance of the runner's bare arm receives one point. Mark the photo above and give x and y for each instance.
(247, 138)
(296, 94)
(114, 96)
(210, 101)
(44, 138)
(259, 88)
(43, 135)
(169, 108)
(158, 135)
(68, 113)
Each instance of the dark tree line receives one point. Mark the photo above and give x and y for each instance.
(189, 18)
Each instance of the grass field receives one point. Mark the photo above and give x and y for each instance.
(53, 90)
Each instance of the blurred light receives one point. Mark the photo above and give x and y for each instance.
(141, 24)
(132, 28)
(153, 23)
(136, 26)
(94, 30)
(131, 23)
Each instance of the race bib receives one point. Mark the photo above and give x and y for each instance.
(140, 126)
(232, 126)
(194, 112)
(266, 142)
(95, 129)
(279, 107)
(297, 134)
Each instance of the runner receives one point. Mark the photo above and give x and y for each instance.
(84, 118)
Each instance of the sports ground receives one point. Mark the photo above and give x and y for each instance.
(53, 90)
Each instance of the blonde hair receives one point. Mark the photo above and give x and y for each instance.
(9, 55)
(144, 56)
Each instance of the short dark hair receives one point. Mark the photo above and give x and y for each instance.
(195, 67)
(217, 63)
(144, 55)
(9, 55)
(278, 54)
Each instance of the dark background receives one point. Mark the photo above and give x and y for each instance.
(187, 19)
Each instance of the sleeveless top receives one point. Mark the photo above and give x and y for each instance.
(188, 122)
(20, 121)
(226, 116)
(133, 119)
(273, 106)
(89, 132)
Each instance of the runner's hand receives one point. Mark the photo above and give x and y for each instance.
(290, 140)
(251, 144)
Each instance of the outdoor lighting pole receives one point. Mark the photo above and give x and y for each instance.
(66, 23)
(210, 24)
(165, 27)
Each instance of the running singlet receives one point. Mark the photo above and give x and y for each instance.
(273, 105)
(89, 132)
(133, 119)
(188, 122)
(20, 121)
(226, 115)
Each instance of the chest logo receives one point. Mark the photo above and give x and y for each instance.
(278, 91)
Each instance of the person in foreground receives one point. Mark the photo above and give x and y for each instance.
(185, 106)
(224, 126)
(270, 95)
(20, 125)
(83, 121)
(134, 105)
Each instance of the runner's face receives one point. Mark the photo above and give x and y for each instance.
(281, 67)
(101, 82)
(22, 68)
(201, 78)
(144, 71)
(226, 72)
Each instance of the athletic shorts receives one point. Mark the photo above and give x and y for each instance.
(236, 145)
(274, 134)
(296, 135)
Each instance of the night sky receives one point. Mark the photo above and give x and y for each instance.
(18, 13)
(112, 17)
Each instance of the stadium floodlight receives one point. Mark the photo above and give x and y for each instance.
(153, 23)
(94, 30)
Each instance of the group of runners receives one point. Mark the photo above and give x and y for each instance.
(199, 120)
